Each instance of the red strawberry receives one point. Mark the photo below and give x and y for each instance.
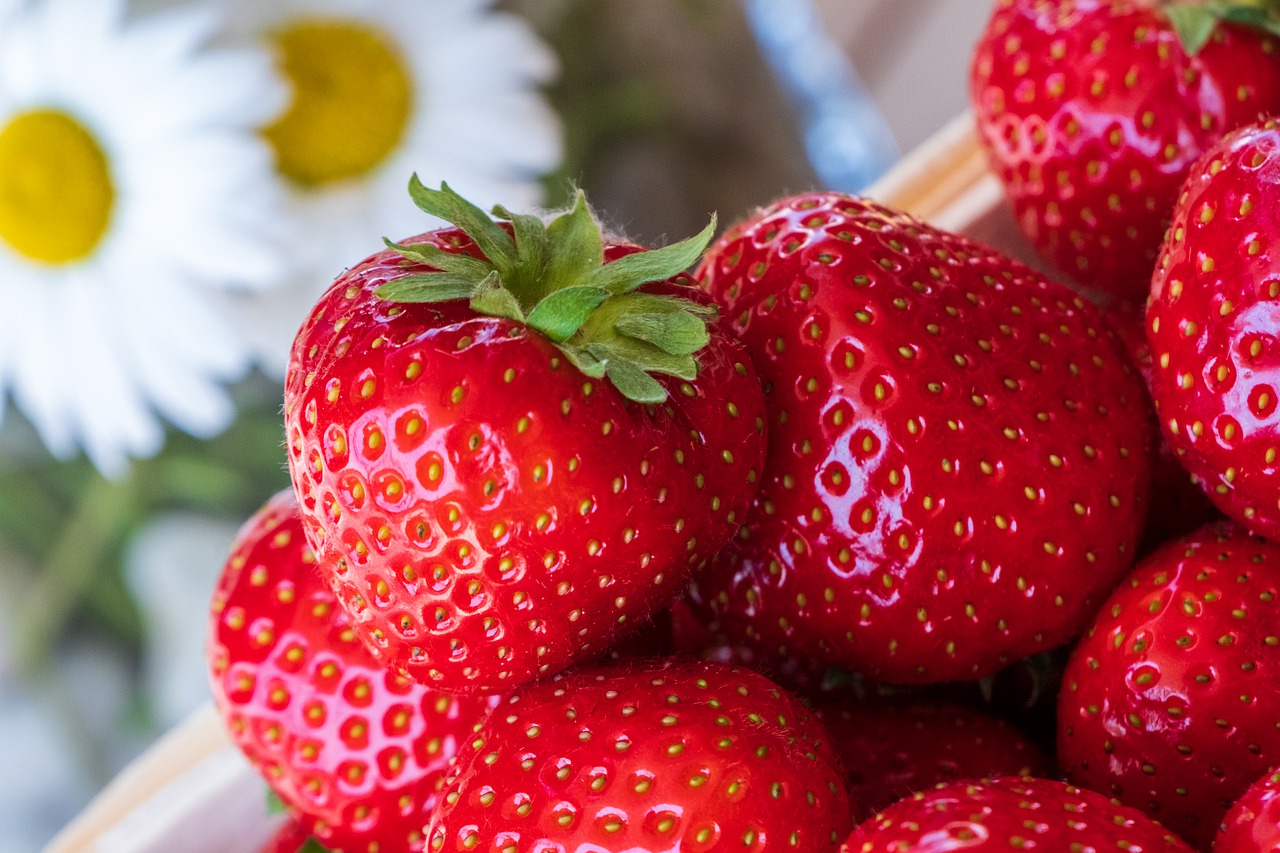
(1093, 111)
(1169, 702)
(1011, 814)
(1178, 504)
(497, 485)
(658, 756)
(359, 751)
(957, 468)
(1213, 321)
(1253, 824)
(893, 749)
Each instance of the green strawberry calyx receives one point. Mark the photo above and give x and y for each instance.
(1196, 20)
(552, 277)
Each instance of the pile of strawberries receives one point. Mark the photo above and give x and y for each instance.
(799, 552)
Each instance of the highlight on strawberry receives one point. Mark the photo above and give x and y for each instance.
(1169, 702)
(958, 460)
(1212, 327)
(1253, 823)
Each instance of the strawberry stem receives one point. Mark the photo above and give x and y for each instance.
(1195, 21)
(552, 277)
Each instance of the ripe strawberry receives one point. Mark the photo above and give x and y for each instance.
(1169, 702)
(1011, 814)
(1212, 324)
(1178, 504)
(656, 756)
(495, 486)
(1253, 824)
(1093, 111)
(957, 467)
(893, 749)
(357, 750)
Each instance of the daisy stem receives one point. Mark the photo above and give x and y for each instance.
(99, 518)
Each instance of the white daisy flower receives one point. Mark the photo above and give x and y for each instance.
(133, 189)
(446, 88)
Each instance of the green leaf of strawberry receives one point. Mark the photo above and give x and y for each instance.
(553, 277)
(1195, 22)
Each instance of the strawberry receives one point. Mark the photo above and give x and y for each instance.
(1169, 702)
(893, 749)
(957, 468)
(494, 478)
(357, 750)
(1212, 325)
(660, 756)
(1093, 111)
(1253, 824)
(1010, 814)
(1178, 504)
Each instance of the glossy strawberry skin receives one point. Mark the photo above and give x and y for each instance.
(1169, 701)
(1092, 114)
(1009, 814)
(1253, 824)
(891, 750)
(486, 512)
(660, 755)
(1212, 325)
(357, 750)
(957, 468)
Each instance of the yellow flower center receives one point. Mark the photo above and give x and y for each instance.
(56, 193)
(352, 95)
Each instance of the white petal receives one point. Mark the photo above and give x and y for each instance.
(104, 401)
(36, 389)
(107, 344)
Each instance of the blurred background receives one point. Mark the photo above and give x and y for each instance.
(141, 357)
